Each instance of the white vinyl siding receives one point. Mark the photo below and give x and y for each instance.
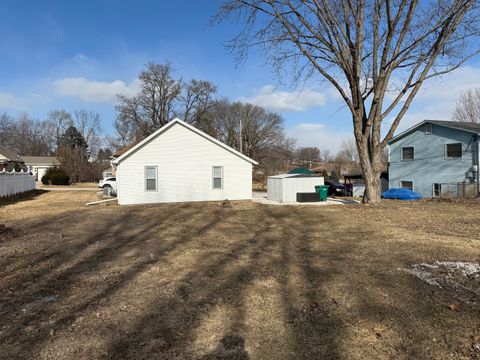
(150, 178)
(184, 162)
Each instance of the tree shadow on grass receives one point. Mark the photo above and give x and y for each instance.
(60, 269)
(29, 195)
(265, 282)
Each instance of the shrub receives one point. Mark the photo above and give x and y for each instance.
(59, 179)
(55, 176)
(44, 179)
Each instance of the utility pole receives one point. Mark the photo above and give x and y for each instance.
(241, 145)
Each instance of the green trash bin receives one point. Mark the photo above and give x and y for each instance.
(322, 191)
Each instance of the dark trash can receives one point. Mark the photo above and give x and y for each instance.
(322, 191)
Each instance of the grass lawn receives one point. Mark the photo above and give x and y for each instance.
(76, 185)
(203, 281)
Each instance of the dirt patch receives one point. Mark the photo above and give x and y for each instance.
(457, 277)
(7, 232)
(236, 280)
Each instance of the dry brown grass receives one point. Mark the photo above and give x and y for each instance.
(76, 185)
(246, 281)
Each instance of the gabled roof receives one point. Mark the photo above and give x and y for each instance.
(189, 127)
(473, 128)
(10, 155)
(122, 151)
(41, 160)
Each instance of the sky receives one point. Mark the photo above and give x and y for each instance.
(81, 54)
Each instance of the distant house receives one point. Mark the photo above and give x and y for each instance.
(436, 158)
(108, 172)
(38, 165)
(10, 160)
(180, 163)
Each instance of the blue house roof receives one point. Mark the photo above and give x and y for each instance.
(464, 126)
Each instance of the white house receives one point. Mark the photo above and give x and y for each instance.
(38, 165)
(180, 163)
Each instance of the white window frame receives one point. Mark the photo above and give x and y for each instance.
(453, 158)
(401, 153)
(221, 177)
(145, 177)
(439, 190)
(402, 181)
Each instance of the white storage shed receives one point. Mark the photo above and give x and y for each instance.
(284, 187)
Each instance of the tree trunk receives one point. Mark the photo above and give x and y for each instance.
(372, 188)
(369, 152)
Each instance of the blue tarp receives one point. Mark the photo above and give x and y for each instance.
(401, 194)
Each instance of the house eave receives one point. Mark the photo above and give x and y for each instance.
(413, 128)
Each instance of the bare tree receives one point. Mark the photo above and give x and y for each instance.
(249, 128)
(365, 49)
(89, 125)
(307, 155)
(61, 119)
(348, 152)
(326, 155)
(161, 98)
(467, 107)
(153, 106)
(197, 99)
(27, 136)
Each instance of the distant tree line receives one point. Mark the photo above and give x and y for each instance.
(76, 139)
(251, 129)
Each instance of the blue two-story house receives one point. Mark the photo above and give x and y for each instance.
(436, 158)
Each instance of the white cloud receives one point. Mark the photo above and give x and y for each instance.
(319, 135)
(448, 87)
(437, 97)
(10, 101)
(80, 58)
(278, 100)
(95, 91)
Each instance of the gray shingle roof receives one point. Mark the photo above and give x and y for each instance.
(464, 126)
(9, 154)
(474, 127)
(40, 160)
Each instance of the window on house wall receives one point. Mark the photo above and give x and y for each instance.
(406, 185)
(217, 175)
(150, 178)
(437, 190)
(408, 153)
(428, 129)
(453, 151)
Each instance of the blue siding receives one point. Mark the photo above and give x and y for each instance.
(430, 165)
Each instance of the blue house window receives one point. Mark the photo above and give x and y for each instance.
(406, 185)
(408, 153)
(453, 151)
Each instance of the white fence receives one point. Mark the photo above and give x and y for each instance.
(12, 183)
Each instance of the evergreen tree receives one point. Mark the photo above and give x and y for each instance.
(72, 139)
